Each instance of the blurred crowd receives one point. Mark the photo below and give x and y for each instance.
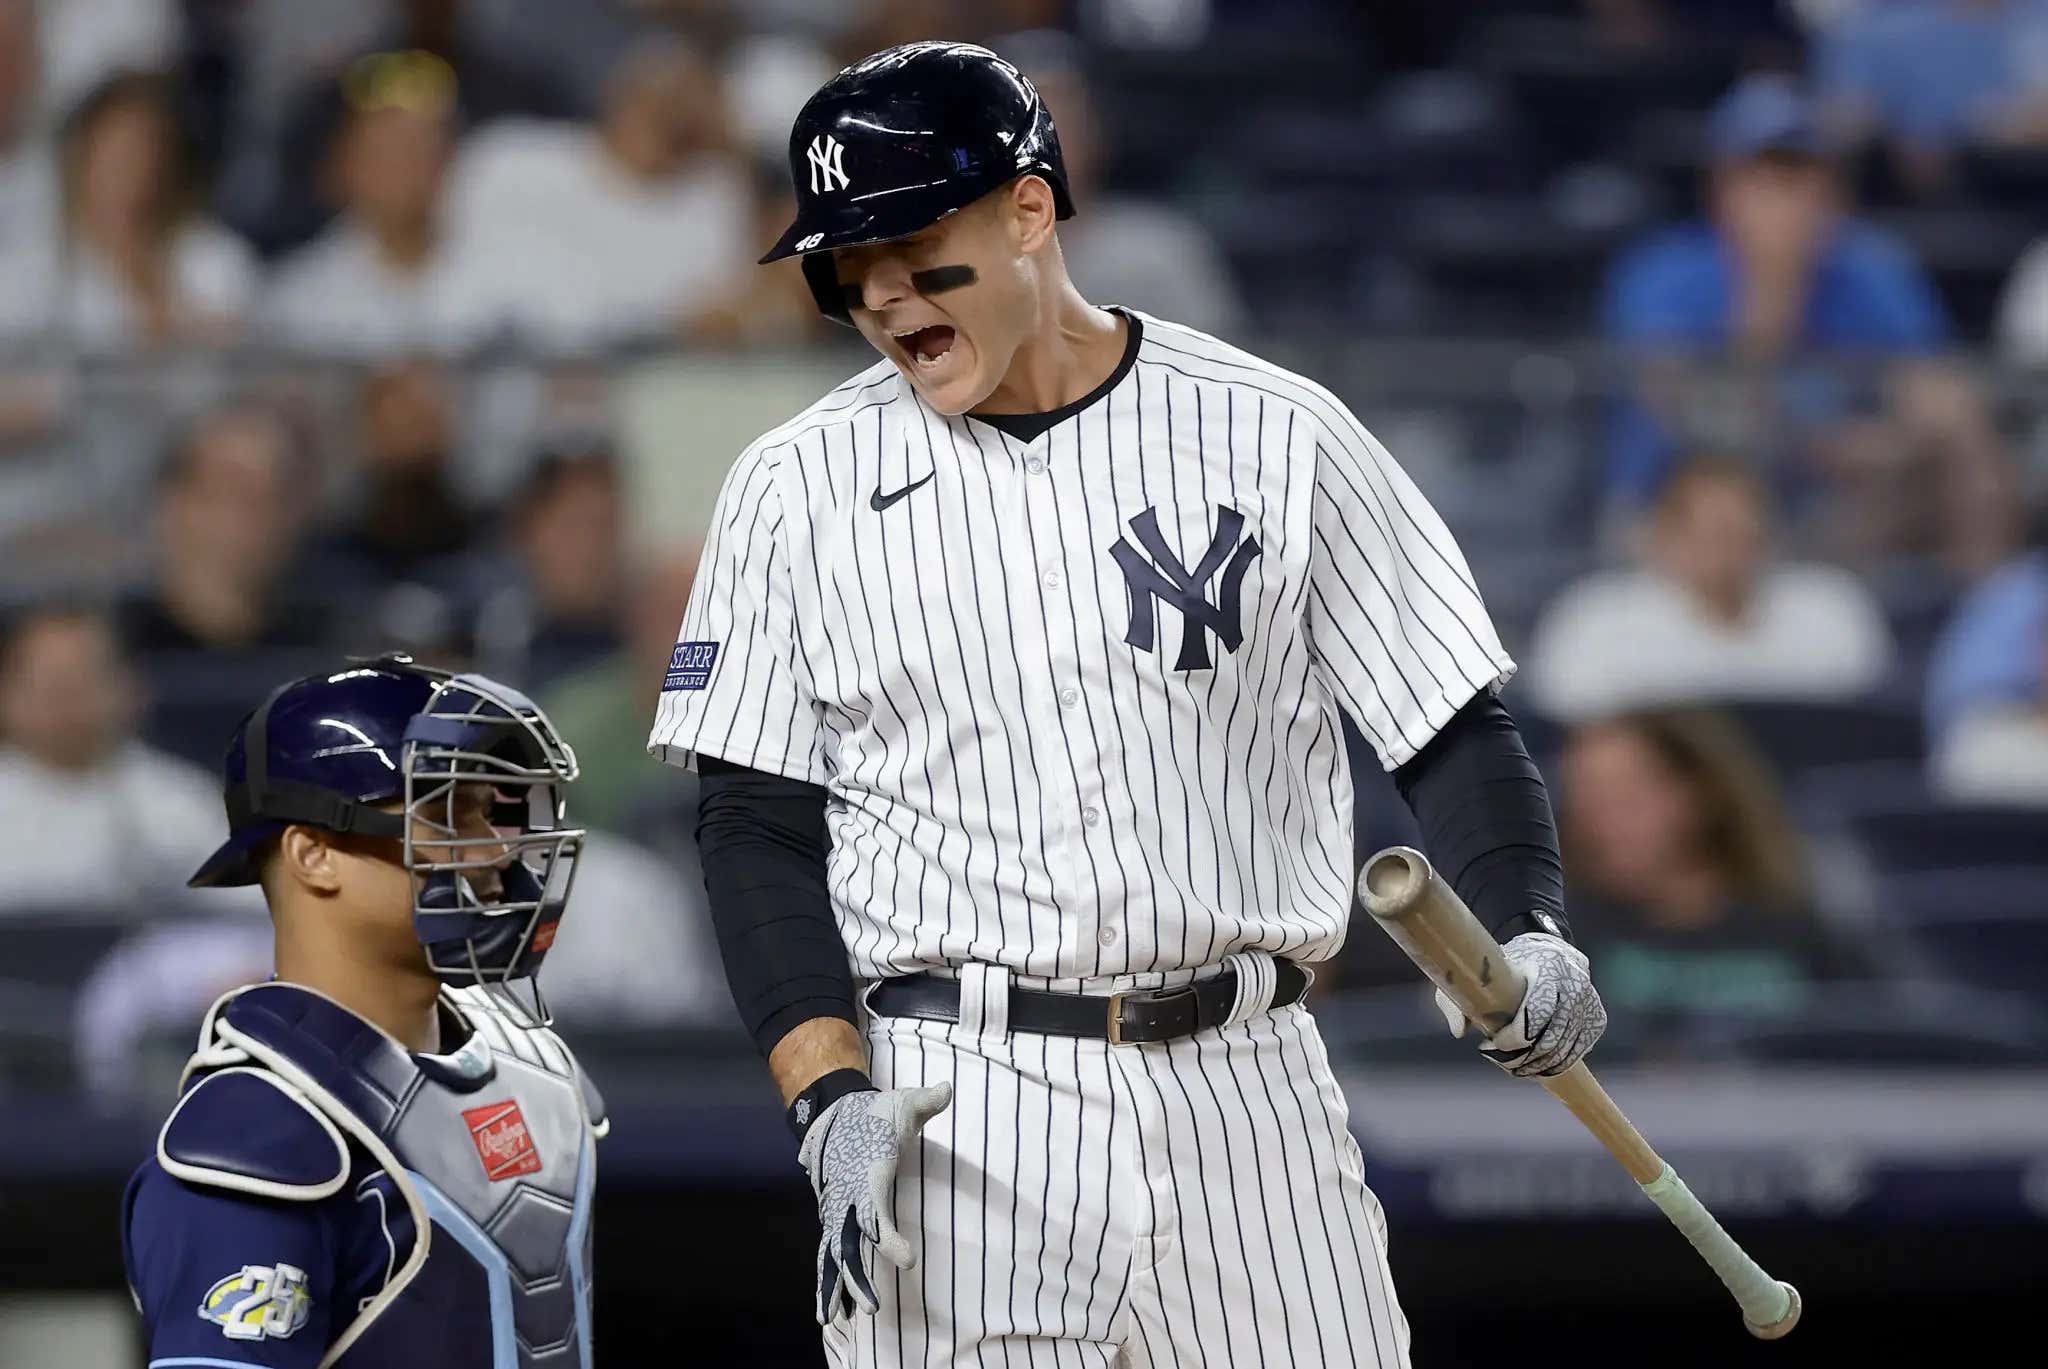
(332, 329)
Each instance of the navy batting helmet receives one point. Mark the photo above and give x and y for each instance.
(338, 750)
(901, 139)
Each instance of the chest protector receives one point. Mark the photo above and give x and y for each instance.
(492, 1147)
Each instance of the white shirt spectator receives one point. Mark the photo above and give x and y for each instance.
(340, 296)
(1152, 257)
(578, 254)
(82, 42)
(212, 277)
(1633, 639)
(635, 948)
(119, 838)
(2023, 311)
(1995, 755)
(30, 228)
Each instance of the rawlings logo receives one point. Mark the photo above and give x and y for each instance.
(502, 1140)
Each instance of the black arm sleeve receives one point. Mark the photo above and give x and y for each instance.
(763, 843)
(1485, 819)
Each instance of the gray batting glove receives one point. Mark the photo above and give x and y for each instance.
(852, 1153)
(1561, 1014)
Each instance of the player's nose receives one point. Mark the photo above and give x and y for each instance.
(884, 283)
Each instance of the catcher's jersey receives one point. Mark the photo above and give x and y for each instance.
(1075, 699)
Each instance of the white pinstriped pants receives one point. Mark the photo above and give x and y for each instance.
(1195, 1203)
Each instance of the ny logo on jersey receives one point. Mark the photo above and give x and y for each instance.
(1164, 578)
(828, 167)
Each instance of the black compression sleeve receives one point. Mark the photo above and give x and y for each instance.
(763, 843)
(1485, 819)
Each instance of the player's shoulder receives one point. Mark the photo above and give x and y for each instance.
(1203, 356)
(764, 460)
(245, 1130)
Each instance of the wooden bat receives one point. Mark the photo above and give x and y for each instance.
(1428, 920)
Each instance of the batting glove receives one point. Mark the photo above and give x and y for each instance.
(1561, 1014)
(852, 1151)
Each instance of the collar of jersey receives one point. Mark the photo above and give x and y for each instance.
(1031, 427)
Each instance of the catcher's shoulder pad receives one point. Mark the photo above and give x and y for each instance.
(247, 1130)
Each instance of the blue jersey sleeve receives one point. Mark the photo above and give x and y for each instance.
(224, 1278)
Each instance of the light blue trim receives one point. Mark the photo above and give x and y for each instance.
(586, 1185)
(497, 1270)
(210, 1363)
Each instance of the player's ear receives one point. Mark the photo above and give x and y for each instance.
(306, 857)
(1032, 212)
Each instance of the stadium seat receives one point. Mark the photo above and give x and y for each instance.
(1986, 926)
(1934, 837)
(1797, 737)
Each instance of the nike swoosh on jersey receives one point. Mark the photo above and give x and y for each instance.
(879, 501)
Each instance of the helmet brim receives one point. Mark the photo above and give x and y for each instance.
(234, 863)
(795, 240)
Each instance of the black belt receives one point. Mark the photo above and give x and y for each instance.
(1134, 1017)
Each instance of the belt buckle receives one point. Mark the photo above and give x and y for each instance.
(1116, 1017)
(1116, 1011)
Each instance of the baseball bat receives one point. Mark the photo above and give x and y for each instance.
(1428, 920)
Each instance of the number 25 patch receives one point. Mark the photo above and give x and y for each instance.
(689, 666)
(261, 1300)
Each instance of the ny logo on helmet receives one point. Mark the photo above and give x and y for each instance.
(828, 168)
(1165, 579)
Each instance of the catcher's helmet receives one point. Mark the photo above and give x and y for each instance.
(901, 139)
(326, 750)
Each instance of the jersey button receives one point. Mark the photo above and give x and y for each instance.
(1035, 466)
(1091, 816)
(1069, 697)
(1107, 936)
(1053, 578)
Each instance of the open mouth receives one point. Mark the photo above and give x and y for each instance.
(927, 346)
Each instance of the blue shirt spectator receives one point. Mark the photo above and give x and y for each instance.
(1778, 271)
(1868, 294)
(1990, 652)
(1938, 72)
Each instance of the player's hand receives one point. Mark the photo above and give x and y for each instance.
(1561, 1014)
(852, 1153)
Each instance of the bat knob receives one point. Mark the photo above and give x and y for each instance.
(1782, 1325)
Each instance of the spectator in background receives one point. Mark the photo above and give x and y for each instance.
(30, 212)
(1748, 329)
(83, 42)
(1689, 886)
(772, 305)
(1926, 77)
(559, 610)
(1709, 615)
(231, 504)
(385, 279)
(639, 953)
(2022, 327)
(1999, 753)
(622, 233)
(282, 206)
(144, 268)
(1987, 678)
(90, 818)
(1120, 248)
(599, 708)
(407, 520)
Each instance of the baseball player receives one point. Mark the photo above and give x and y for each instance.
(1013, 671)
(382, 1157)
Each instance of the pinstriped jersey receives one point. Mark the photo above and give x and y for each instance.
(1075, 699)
